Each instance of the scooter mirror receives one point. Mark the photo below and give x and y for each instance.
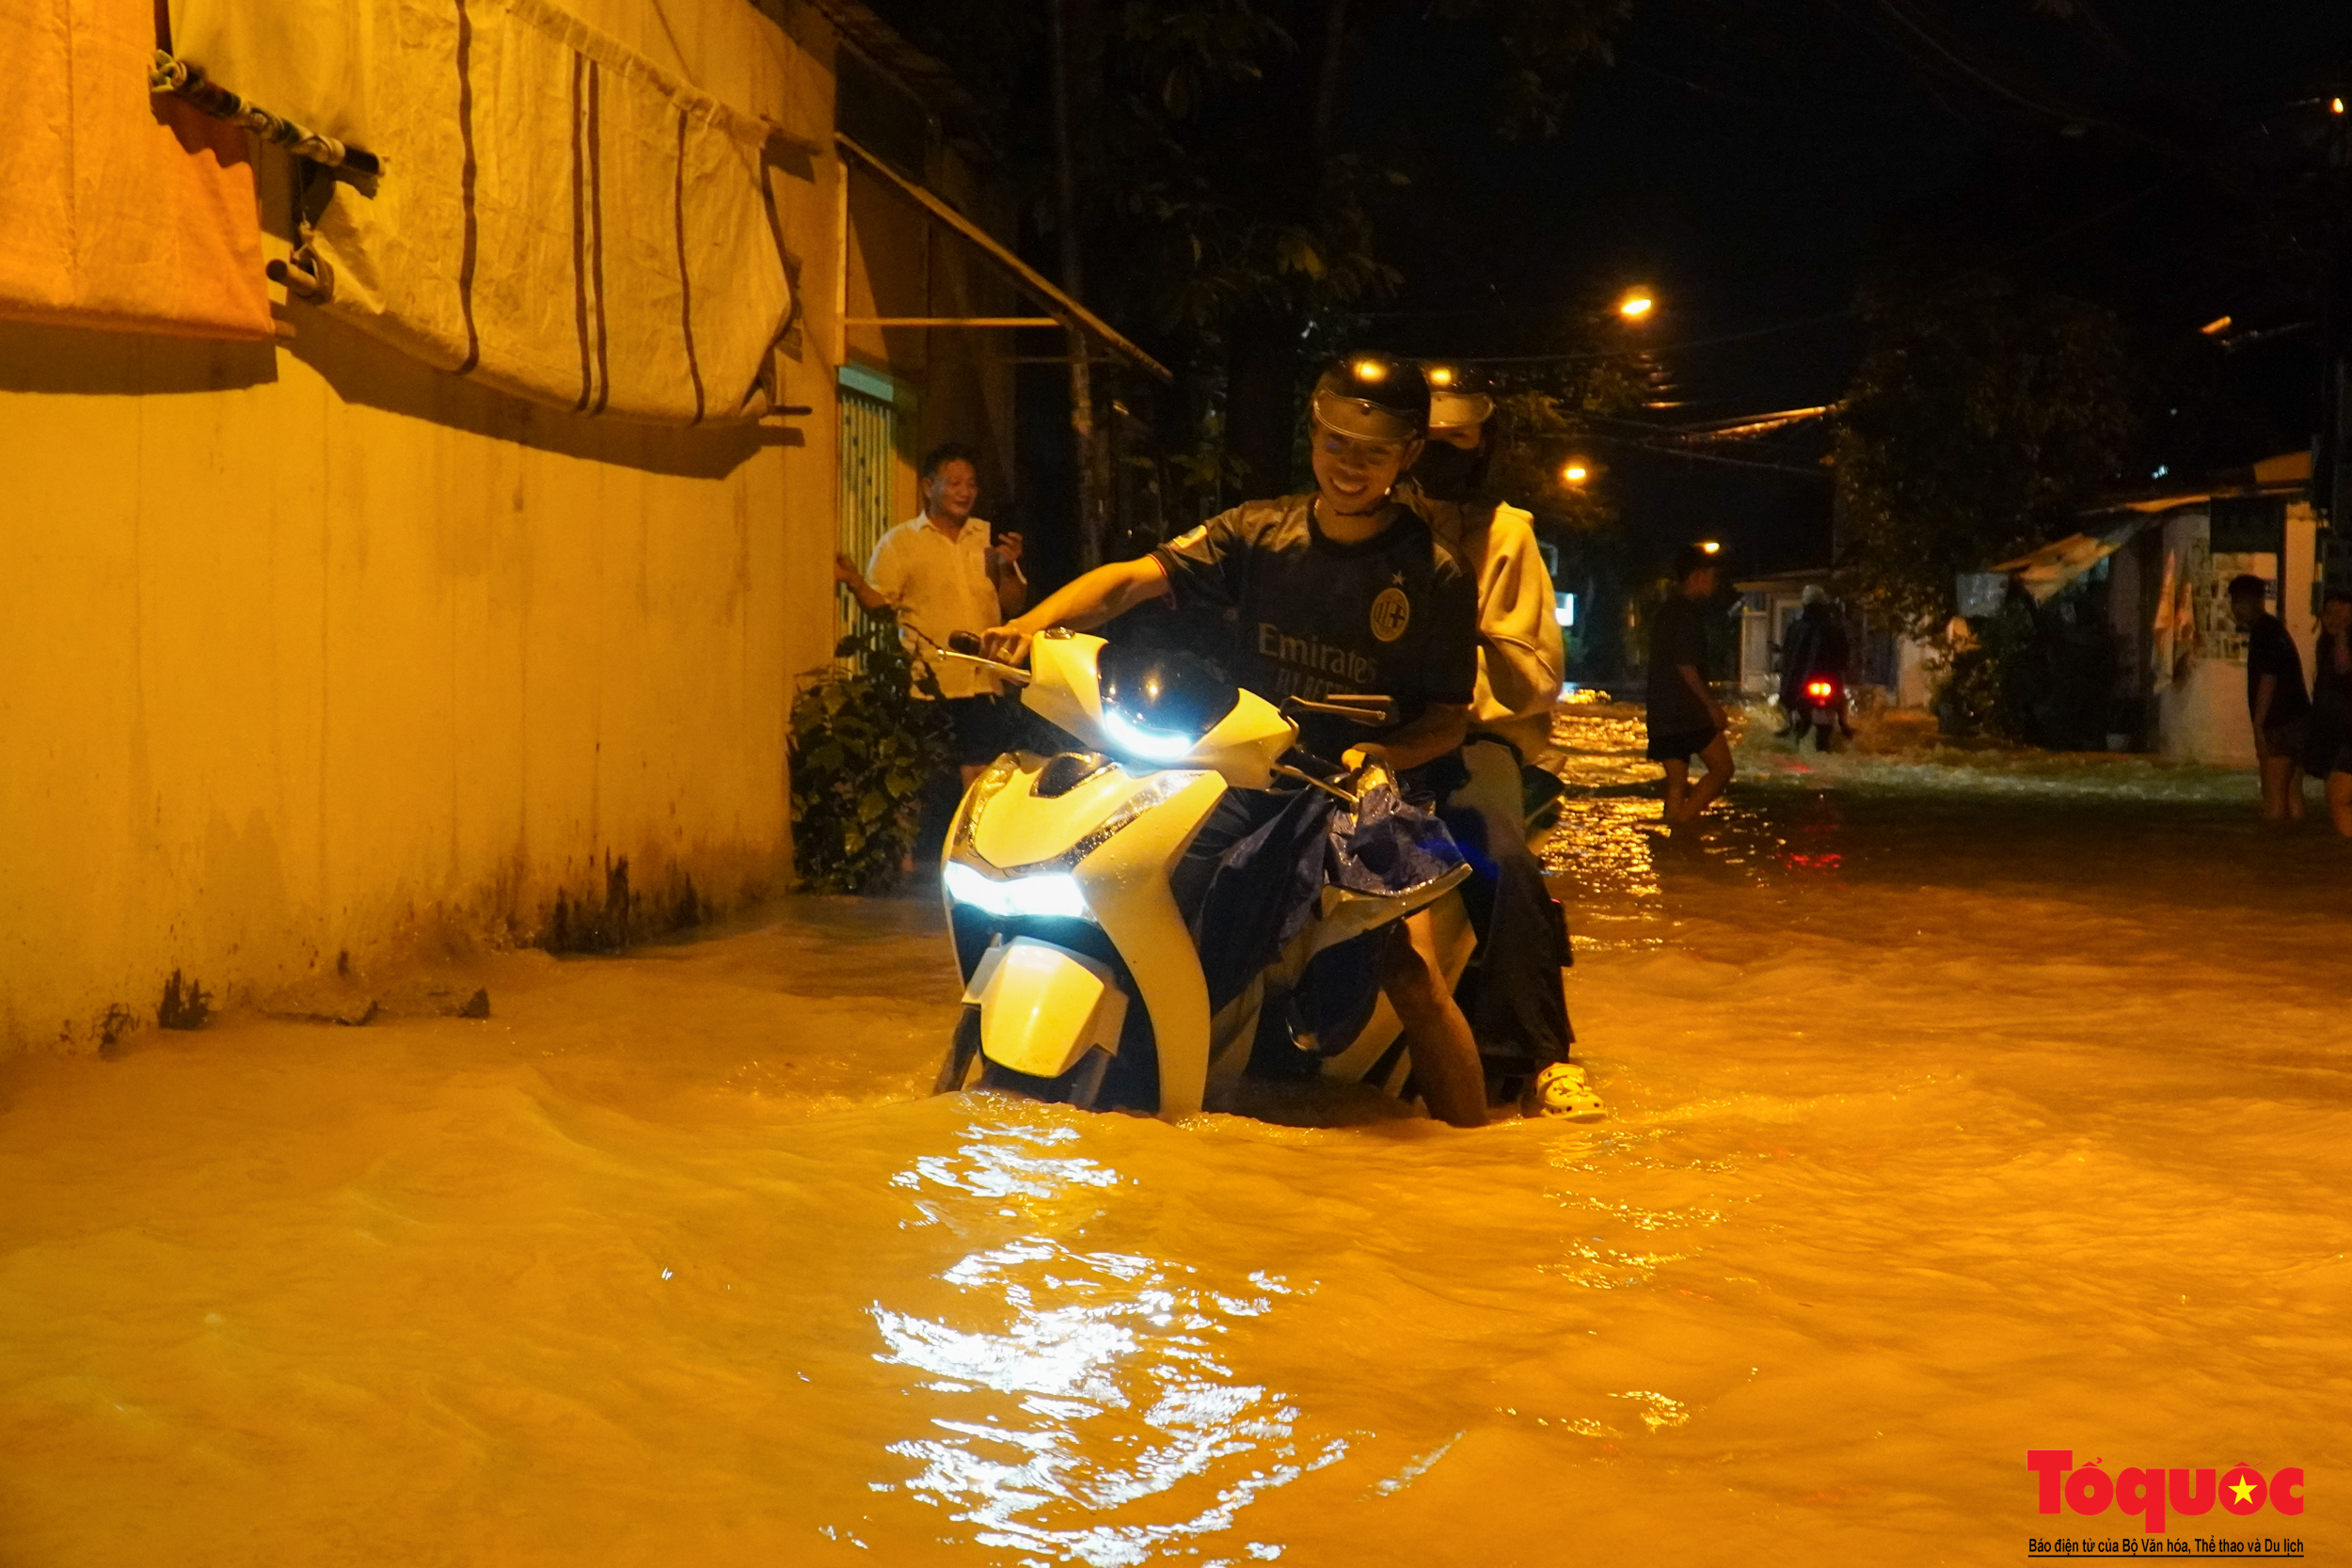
(966, 646)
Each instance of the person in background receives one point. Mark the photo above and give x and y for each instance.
(2329, 757)
(1684, 719)
(2276, 699)
(940, 575)
(1816, 645)
(1520, 655)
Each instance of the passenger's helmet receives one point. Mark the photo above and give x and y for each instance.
(1374, 397)
(1458, 394)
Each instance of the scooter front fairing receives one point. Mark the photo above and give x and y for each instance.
(1081, 870)
(1083, 981)
(1072, 852)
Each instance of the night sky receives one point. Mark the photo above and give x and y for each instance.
(1750, 161)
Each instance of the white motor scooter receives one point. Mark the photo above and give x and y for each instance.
(1082, 982)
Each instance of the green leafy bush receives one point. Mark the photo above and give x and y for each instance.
(864, 745)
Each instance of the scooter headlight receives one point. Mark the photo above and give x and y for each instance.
(1052, 893)
(1151, 745)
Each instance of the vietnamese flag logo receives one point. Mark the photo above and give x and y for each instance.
(2153, 1494)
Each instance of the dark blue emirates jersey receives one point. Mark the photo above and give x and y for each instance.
(1307, 616)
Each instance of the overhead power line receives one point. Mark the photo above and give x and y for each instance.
(1664, 348)
(1688, 456)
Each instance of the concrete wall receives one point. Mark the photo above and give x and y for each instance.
(2202, 716)
(308, 649)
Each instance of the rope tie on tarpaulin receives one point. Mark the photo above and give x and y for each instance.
(187, 80)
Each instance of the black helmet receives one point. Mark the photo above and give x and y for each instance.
(1374, 397)
(1458, 394)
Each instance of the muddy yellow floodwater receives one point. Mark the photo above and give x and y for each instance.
(1961, 1105)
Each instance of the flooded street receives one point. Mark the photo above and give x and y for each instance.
(1962, 1105)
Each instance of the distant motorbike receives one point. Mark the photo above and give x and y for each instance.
(1082, 981)
(1819, 708)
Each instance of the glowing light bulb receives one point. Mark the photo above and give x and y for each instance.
(1636, 304)
(1575, 473)
(1712, 546)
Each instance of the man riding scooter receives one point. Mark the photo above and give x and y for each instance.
(1338, 591)
(1813, 662)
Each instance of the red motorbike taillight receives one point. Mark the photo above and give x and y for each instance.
(1819, 689)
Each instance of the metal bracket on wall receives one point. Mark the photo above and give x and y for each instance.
(1029, 280)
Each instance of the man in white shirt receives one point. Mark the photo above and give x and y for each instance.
(938, 575)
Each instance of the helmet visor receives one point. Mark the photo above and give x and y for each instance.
(1455, 410)
(1362, 420)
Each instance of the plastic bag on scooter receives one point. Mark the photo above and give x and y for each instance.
(1306, 858)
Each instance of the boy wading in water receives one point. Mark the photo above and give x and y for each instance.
(2276, 701)
(1684, 719)
(1340, 591)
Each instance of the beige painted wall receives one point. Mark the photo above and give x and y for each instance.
(308, 649)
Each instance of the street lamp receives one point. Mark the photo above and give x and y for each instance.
(1711, 547)
(1636, 304)
(1575, 471)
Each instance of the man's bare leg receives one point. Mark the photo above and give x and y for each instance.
(2277, 777)
(1718, 759)
(2340, 803)
(1678, 786)
(1445, 1056)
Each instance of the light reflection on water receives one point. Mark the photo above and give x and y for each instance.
(1089, 1403)
(1098, 1390)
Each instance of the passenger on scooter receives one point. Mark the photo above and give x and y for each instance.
(1519, 662)
(1514, 992)
(1340, 591)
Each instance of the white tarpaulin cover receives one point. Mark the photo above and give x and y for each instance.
(2053, 567)
(556, 218)
(118, 209)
